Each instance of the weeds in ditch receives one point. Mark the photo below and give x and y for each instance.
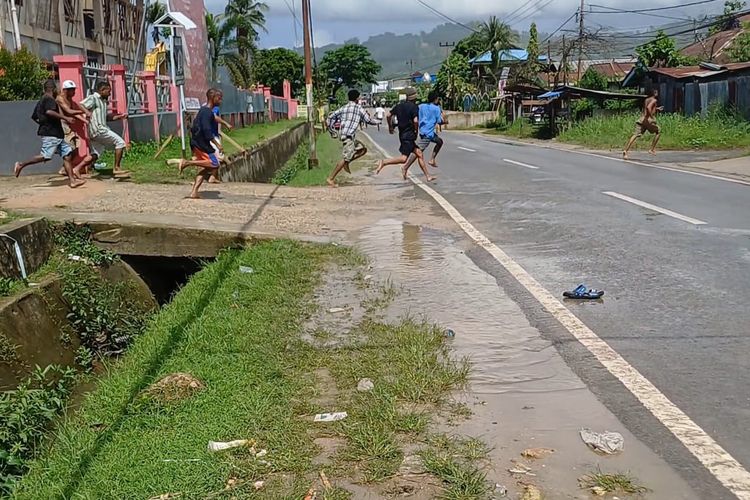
(7, 350)
(75, 239)
(296, 163)
(26, 413)
(6, 285)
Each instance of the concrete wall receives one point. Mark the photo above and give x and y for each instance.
(261, 163)
(459, 120)
(19, 141)
(34, 236)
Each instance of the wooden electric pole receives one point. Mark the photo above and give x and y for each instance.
(313, 159)
(447, 46)
(580, 40)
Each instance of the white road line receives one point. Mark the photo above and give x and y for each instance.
(521, 164)
(467, 149)
(655, 208)
(715, 458)
(613, 158)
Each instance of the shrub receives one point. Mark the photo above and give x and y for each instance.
(22, 74)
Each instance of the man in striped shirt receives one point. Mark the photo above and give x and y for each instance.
(99, 132)
(349, 118)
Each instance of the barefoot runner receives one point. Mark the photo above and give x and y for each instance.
(406, 114)
(99, 131)
(47, 115)
(430, 116)
(647, 123)
(349, 117)
(202, 142)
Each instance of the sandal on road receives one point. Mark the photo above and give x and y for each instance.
(581, 292)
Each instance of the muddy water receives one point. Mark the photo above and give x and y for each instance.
(522, 393)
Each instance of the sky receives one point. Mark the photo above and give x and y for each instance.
(338, 21)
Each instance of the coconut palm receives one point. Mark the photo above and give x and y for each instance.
(153, 12)
(223, 51)
(248, 18)
(496, 36)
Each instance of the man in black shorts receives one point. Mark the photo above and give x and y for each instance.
(407, 116)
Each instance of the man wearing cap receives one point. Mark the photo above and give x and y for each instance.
(74, 132)
(407, 115)
(99, 132)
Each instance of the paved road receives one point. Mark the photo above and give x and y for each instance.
(672, 252)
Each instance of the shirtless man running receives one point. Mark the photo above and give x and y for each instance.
(647, 123)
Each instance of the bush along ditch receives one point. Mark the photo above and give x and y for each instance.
(103, 316)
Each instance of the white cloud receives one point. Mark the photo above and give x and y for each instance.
(322, 38)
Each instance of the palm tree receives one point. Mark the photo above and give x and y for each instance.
(153, 12)
(222, 51)
(248, 17)
(496, 36)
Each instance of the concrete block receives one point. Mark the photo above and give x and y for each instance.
(36, 241)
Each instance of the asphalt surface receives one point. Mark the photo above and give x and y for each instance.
(677, 292)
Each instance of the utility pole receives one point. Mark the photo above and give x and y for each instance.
(564, 62)
(410, 63)
(313, 159)
(549, 61)
(580, 39)
(447, 46)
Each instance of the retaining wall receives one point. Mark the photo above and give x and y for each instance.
(34, 236)
(260, 163)
(459, 120)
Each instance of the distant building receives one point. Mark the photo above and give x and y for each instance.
(103, 31)
(696, 89)
(613, 70)
(714, 48)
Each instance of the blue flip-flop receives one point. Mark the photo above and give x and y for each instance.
(581, 292)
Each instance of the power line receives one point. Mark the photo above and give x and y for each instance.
(612, 10)
(445, 16)
(668, 7)
(530, 11)
(522, 6)
(560, 27)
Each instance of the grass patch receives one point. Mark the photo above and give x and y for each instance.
(601, 483)
(295, 171)
(235, 332)
(521, 129)
(461, 479)
(7, 216)
(716, 131)
(144, 169)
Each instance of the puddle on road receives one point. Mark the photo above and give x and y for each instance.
(507, 355)
(521, 392)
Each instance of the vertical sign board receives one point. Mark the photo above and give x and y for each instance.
(179, 61)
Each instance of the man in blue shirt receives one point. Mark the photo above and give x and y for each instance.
(430, 116)
(218, 120)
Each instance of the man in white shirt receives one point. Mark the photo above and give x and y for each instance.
(379, 114)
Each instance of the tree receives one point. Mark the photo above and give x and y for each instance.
(496, 36)
(593, 80)
(22, 74)
(739, 51)
(661, 52)
(223, 52)
(453, 78)
(271, 67)
(350, 66)
(531, 67)
(248, 18)
(728, 19)
(470, 47)
(153, 12)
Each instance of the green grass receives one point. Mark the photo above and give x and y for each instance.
(7, 216)
(717, 131)
(329, 154)
(139, 159)
(241, 335)
(610, 483)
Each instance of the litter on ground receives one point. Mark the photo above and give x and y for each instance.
(604, 442)
(330, 417)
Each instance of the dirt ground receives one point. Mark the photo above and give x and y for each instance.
(521, 395)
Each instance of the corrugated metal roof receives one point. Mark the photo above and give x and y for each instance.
(699, 72)
(506, 55)
(714, 47)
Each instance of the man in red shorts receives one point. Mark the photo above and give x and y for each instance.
(203, 141)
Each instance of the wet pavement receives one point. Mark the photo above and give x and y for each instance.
(676, 292)
(522, 393)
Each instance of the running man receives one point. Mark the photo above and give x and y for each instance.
(379, 115)
(430, 117)
(99, 132)
(203, 143)
(74, 132)
(218, 122)
(349, 117)
(647, 123)
(406, 115)
(47, 115)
